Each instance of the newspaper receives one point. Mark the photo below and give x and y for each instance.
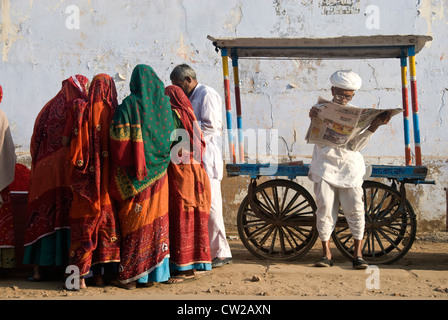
(337, 124)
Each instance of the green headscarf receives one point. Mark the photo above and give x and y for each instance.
(140, 135)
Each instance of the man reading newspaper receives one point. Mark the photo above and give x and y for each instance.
(338, 167)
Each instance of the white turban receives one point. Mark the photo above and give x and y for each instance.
(346, 79)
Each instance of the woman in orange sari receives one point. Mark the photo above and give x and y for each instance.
(189, 193)
(47, 233)
(140, 146)
(7, 164)
(94, 235)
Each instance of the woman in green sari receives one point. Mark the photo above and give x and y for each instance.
(140, 149)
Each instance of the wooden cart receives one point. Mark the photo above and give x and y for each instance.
(276, 218)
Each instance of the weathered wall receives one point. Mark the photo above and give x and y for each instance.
(44, 42)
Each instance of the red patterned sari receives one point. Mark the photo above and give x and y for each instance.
(189, 191)
(49, 198)
(6, 220)
(94, 234)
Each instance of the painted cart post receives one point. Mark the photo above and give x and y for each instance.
(276, 219)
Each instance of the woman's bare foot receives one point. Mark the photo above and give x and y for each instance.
(98, 280)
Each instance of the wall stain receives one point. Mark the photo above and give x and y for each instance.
(9, 31)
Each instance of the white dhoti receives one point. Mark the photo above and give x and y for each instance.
(219, 247)
(328, 199)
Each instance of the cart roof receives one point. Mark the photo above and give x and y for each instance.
(358, 47)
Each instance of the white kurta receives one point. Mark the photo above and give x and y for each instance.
(207, 106)
(341, 167)
(338, 174)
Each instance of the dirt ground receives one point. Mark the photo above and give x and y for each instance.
(421, 274)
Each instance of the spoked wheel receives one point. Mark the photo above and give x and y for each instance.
(278, 221)
(391, 226)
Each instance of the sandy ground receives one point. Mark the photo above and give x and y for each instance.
(421, 274)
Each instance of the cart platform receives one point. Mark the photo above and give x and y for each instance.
(409, 174)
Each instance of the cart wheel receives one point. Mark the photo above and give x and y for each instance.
(390, 226)
(282, 226)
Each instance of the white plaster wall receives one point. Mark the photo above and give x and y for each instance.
(38, 52)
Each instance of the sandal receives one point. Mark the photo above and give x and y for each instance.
(145, 285)
(33, 279)
(219, 262)
(180, 279)
(324, 262)
(360, 263)
(127, 286)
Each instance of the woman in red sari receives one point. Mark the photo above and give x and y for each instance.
(7, 164)
(94, 235)
(47, 233)
(189, 193)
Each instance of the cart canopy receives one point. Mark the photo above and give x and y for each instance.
(358, 47)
